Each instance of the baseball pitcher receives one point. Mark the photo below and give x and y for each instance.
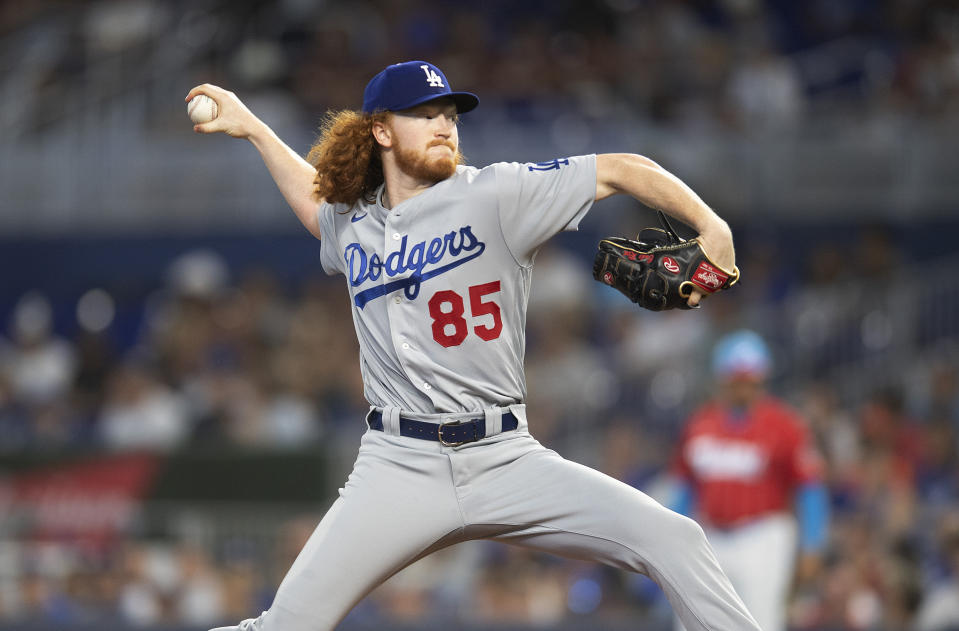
(436, 258)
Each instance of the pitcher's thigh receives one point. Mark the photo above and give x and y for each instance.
(612, 521)
(385, 518)
(574, 511)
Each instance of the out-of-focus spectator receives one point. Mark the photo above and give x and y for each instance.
(883, 484)
(939, 610)
(877, 255)
(241, 584)
(568, 375)
(40, 365)
(849, 597)
(765, 91)
(826, 265)
(142, 601)
(652, 343)
(940, 396)
(199, 594)
(408, 596)
(38, 370)
(518, 586)
(140, 412)
(835, 433)
(96, 361)
(241, 410)
(200, 273)
(937, 471)
(15, 420)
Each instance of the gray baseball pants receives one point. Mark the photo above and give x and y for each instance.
(408, 497)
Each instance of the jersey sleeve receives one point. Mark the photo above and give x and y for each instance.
(538, 200)
(329, 250)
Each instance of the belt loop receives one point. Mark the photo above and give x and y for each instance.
(391, 420)
(519, 411)
(494, 421)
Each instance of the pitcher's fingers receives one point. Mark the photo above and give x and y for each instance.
(207, 128)
(695, 298)
(204, 88)
(192, 93)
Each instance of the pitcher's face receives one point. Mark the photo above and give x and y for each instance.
(425, 140)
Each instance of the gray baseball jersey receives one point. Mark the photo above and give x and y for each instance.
(439, 286)
(440, 283)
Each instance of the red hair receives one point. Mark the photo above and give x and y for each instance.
(347, 158)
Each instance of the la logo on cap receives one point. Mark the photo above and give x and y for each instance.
(432, 78)
(400, 86)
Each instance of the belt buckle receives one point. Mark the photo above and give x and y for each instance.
(439, 434)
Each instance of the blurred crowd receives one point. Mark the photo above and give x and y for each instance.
(236, 359)
(214, 363)
(727, 64)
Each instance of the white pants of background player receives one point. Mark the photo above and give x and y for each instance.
(408, 497)
(759, 558)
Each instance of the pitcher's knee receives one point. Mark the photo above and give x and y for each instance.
(685, 531)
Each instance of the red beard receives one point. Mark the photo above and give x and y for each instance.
(420, 166)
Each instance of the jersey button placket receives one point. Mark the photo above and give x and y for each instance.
(393, 235)
(405, 351)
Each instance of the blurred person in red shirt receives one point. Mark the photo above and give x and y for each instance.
(746, 468)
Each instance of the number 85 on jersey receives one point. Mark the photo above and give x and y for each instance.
(448, 310)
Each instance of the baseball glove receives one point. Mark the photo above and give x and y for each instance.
(659, 270)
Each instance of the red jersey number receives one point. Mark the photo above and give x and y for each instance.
(480, 308)
(447, 310)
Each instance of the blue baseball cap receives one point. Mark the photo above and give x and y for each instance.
(742, 354)
(406, 85)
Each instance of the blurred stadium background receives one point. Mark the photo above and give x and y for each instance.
(179, 391)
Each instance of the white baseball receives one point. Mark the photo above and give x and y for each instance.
(201, 109)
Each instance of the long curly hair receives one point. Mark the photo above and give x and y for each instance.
(347, 158)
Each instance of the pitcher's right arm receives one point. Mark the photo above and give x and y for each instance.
(293, 175)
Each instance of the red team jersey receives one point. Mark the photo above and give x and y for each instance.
(746, 467)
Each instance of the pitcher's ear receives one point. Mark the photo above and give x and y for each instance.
(382, 134)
